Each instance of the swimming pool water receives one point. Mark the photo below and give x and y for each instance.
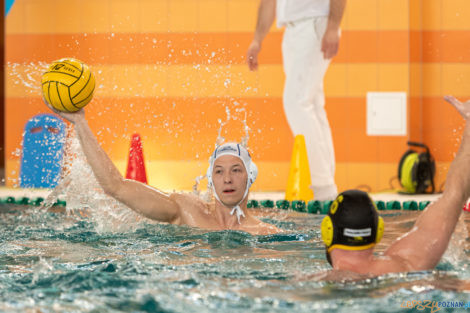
(62, 262)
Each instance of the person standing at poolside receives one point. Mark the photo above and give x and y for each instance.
(230, 174)
(311, 40)
(353, 227)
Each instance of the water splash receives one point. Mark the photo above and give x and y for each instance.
(220, 139)
(454, 253)
(84, 196)
(27, 74)
(196, 184)
(244, 140)
(41, 267)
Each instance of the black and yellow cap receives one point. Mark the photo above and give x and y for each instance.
(352, 223)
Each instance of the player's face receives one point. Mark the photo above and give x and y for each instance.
(230, 178)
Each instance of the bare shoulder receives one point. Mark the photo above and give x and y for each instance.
(388, 264)
(257, 227)
(188, 201)
(190, 207)
(185, 197)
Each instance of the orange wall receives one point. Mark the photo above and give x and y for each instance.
(170, 70)
(440, 56)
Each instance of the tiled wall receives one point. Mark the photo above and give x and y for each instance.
(171, 69)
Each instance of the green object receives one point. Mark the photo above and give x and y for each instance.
(393, 205)
(380, 205)
(38, 201)
(423, 205)
(252, 204)
(410, 205)
(267, 203)
(326, 207)
(10, 200)
(60, 203)
(23, 201)
(314, 207)
(299, 206)
(282, 204)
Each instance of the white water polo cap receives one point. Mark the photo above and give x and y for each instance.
(242, 153)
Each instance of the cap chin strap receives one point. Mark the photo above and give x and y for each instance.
(235, 209)
(239, 211)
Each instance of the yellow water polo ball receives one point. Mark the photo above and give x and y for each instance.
(68, 85)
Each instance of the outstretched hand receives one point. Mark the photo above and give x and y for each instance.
(463, 108)
(71, 117)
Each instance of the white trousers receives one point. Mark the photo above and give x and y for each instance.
(304, 100)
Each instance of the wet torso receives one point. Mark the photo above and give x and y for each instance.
(198, 213)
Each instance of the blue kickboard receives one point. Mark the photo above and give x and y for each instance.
(43, 148)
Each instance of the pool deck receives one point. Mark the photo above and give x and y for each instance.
(384, 196)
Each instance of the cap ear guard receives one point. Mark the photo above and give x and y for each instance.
(209, 174)
(252, 173)
(380, 230)
(327, 232)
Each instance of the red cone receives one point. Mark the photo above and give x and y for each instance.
(467, 207)
(135, 164)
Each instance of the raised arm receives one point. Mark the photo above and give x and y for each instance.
(330, 41)
(266, 16)
(423, 246)
(141, 198)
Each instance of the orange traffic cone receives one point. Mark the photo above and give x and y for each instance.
(135, 164)
(298, 181)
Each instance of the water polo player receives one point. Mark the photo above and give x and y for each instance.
(231, 173)
(352, 227)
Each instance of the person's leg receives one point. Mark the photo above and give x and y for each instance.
(304, 101)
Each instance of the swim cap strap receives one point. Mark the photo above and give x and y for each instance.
(239, 212)
(235, 209)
